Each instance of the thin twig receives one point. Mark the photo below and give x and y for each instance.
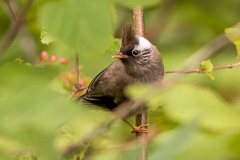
(201, 71)
(77, 87)
(14, 28)
(30, 50)
(141, 119)
(10, 9)
(227, 66)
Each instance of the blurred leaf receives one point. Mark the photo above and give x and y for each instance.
(59, 86)
(31, 112)
(8, 145)
(233, 35)
(185, 102)
(198, 145)
(138, 3)
(115, 47)
(132, 154)
(106, 155)
(135, 91)
(85, 26)
(207, 68)
(234, 144)
(175, 144)
(45, 37)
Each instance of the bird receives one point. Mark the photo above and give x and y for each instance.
(138, 62)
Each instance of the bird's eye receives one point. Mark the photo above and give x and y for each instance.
(135, 52)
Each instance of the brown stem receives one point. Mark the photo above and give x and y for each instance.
(30, 50)
(14, 28)
(77, 87)
(141, 119)
(200, 70)
(10, 9)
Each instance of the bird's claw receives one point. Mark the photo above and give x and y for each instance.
(140, 129)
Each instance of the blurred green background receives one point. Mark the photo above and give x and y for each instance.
(198, 118)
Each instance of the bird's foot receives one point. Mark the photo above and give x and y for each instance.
(140, 129)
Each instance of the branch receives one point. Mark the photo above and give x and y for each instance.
(201, 71)
(15, 27)
(227, 66)
(30, 50)
(10, 9)
(77, 87)
(141, 119)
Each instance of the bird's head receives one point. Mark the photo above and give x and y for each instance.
(138, 54)
(134, 47)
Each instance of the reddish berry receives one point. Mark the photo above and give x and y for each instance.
(82, 82)
(63, 61)
(53, 58)
(44, 55)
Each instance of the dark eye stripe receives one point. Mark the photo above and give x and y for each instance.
(129, 53)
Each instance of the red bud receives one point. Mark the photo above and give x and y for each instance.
(53, 58)
(82, 82)
(44, 55)
(63, 61)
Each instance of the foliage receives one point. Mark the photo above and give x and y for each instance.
(234, 35)
(207, 68)
(46, 38)
(197, 118)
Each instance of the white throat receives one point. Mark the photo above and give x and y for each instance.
(143, 44)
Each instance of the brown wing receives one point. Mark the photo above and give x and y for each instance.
(106, 89)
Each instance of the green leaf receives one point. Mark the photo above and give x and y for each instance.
(135, 91)
(85, 26)
(179, 145)
(186, 102)
(45, 37)
(115, 47)
(233, 35)
(31, 111)
(207, 68)
(175, 144)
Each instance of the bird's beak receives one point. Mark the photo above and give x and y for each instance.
(119, 55)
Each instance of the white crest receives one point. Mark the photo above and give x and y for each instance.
(143, 44)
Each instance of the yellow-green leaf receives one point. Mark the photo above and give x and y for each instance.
(187, 102)
(233, 35)
(207, 68)
(45, 37)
